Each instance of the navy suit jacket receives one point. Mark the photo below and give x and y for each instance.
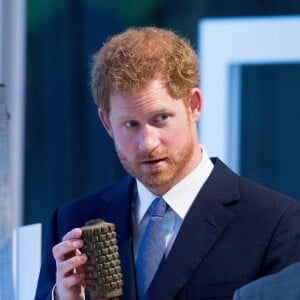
(284, 285)
(235, 232)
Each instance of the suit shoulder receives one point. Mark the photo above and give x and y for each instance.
(105, 194)
(98, 205)
(250, 189)
(265, 195)
(95, 205)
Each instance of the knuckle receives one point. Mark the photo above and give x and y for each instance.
(60, 269)
(54, 251)
(75, 261)
(65, 283)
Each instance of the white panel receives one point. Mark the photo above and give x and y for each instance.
(28, 260)
(236, 41)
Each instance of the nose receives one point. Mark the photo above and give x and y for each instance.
(148, 139)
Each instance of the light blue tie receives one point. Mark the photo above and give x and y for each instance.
(152, 247)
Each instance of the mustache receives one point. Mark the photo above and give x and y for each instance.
(154, 155)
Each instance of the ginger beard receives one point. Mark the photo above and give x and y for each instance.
(174, 164)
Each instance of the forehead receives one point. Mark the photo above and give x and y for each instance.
(155, 94)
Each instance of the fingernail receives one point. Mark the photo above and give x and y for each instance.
(83, 258)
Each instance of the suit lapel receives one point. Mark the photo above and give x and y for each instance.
(128, 271)
(119, 212)
(202, 227)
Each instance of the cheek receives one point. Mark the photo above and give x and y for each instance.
(125, 144)
(180, 136)
(179, 132)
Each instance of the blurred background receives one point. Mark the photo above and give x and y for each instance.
(59, 151)
(67, 152)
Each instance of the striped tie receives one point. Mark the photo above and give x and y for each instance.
(152, 247)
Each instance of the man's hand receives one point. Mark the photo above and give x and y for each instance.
(70, 262)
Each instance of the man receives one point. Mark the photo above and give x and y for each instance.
(282, 285)
(220, 230)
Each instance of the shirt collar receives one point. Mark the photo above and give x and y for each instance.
(144, 200)
(182, 195)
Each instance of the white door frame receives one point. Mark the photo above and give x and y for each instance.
(224, 45)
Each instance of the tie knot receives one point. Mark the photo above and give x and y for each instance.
(158, 207)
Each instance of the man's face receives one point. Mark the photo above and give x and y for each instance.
(155, 135)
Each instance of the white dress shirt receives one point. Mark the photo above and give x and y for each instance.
(179, 200)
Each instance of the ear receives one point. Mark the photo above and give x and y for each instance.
(106, 122)
(195, 104)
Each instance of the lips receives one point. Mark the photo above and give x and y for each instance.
(153, 161)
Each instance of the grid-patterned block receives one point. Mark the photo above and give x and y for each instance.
(102, 270)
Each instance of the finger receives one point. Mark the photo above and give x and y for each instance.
(74, 280)
(71, 266)
(69, 243)
(66, 249)
(73, 234)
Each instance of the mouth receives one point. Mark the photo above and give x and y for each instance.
(153, 162)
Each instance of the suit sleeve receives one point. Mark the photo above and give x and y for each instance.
(47, 276)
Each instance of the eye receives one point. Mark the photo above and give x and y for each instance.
(130, 124)
(162, 117)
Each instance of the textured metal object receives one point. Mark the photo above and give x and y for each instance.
(102, 270)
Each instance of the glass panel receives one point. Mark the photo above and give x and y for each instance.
(270, 126)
